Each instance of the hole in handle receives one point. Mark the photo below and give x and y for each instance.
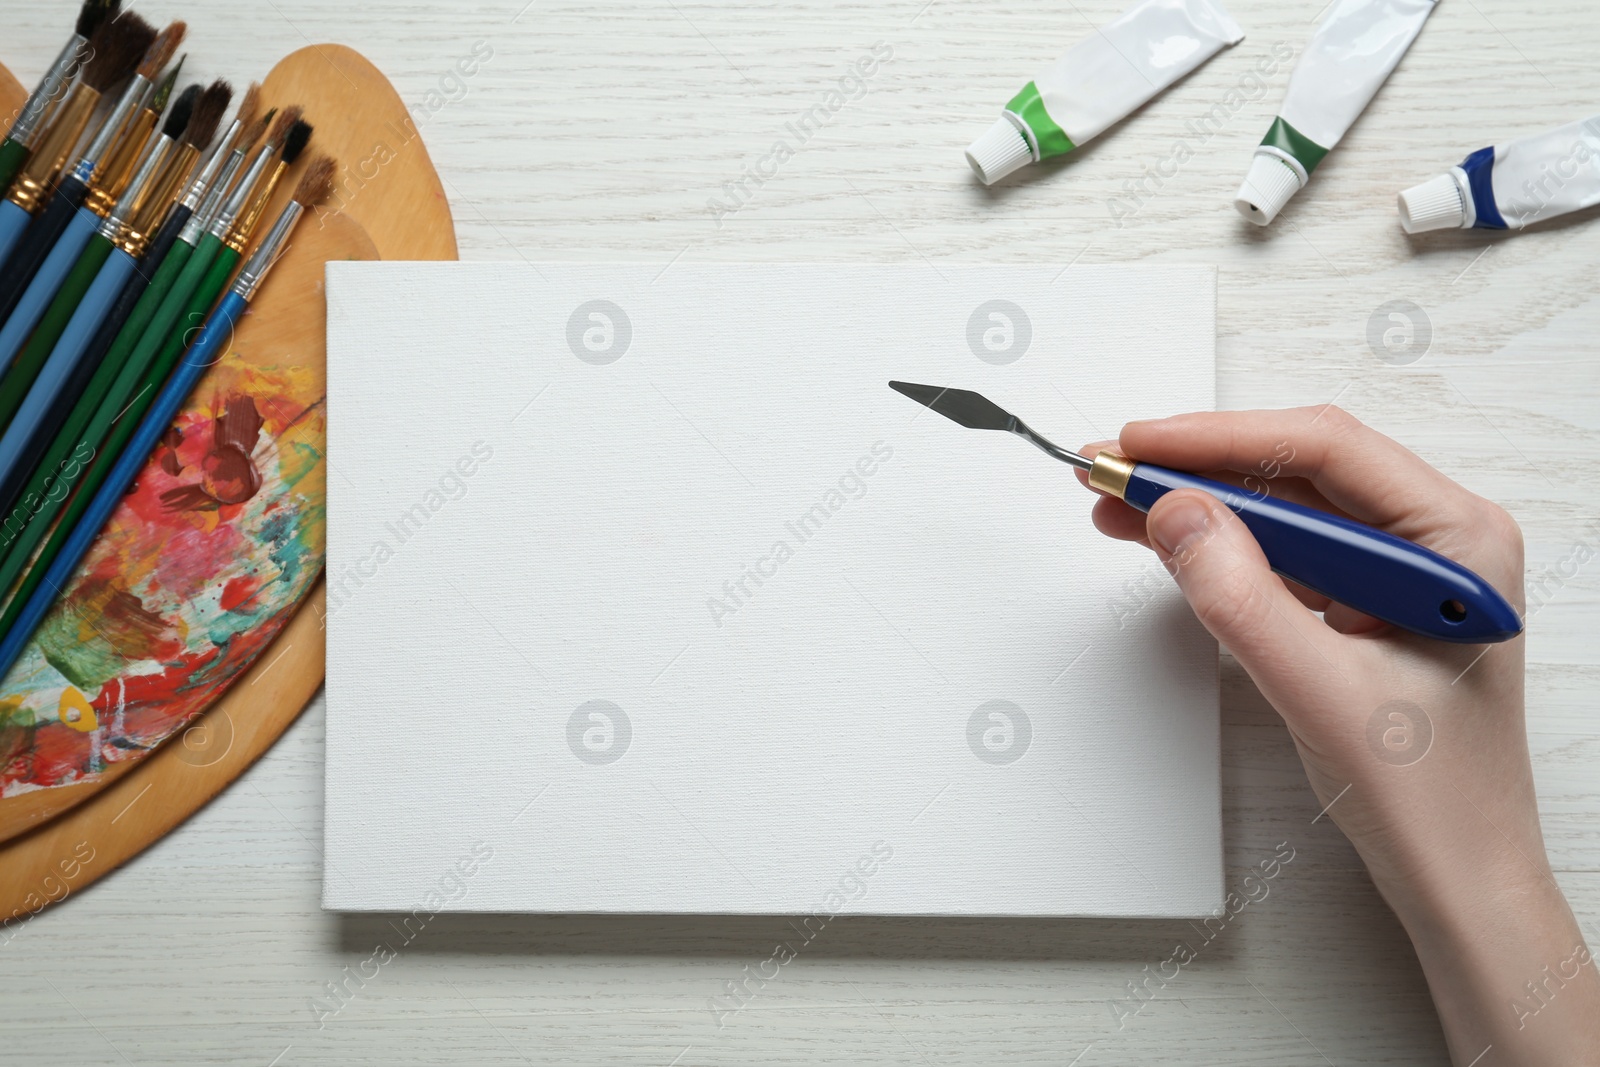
(1453, 611)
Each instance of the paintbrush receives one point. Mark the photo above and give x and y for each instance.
(28, 608)
(229, 233)
(58, 233)
(120, 281)
(116, 382)
(131, 147)
(36, 335)
(224, 184)
(51, 90)
(115, 50)
(1387, 577)
(193, 290)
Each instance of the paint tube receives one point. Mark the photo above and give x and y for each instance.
(1347, 60)
(1507, 187)
(1103, 79)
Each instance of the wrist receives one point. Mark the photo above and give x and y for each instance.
(1505, 961)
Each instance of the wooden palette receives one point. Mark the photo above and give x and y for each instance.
(396, 210)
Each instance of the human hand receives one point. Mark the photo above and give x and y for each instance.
(1418, 747)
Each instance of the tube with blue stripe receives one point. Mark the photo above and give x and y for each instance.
(1510, 186)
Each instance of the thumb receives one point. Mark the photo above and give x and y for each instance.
(1225, 577)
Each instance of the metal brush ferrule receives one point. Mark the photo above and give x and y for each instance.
(132, 197)
(195, 191)
(266, 253)
(219, 226)
(133, 98)
(55, 80)
(254, 208)
(112, 177)
(157, 200)
(201, 218)
(37, 182)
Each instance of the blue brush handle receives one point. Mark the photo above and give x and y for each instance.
(13, 223)
(52, 272)
(1382, 575)
(69, 349)
(207, 348)
(37, 240)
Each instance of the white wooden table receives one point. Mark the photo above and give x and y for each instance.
(600, 130)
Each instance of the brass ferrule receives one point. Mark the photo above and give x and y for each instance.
(51, 87)
(40, 175)
(157, 200)
(127, 206)
(1110, 473)
(222, 225)
(239, 236)
(266, 253)
(112, 179)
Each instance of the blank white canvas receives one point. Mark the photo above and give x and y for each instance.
(570, 669)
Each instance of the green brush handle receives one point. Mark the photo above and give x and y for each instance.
(19, 377)
(42, 500)
(13, 154)
(200, 305)
(216, 272)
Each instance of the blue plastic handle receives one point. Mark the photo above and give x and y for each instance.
(69, 349)
(42, 289)
(1384, 576)
(13, 223)
(209, 347)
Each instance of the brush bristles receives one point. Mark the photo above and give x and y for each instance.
(94, 14)
(181, 112)
(163, 93)
(162, 49)
(316, 184)
(281, 126)
(116, 47)
(295, 142)
(248, 139)
(248, 107)
(207, 116)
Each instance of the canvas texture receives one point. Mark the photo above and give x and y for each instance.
(646, 594)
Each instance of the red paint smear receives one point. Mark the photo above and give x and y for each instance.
(57, 754)
(181, 551)
(155, 706)
(239, 593)
(228, 473)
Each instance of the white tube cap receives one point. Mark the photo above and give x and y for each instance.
(1436, 204)
(1000, 151)
(1267, 187)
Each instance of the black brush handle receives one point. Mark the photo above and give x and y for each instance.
(37, 241)
(33, 449)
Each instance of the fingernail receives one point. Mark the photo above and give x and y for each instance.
(1177, 525)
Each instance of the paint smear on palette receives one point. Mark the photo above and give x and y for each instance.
(205, 561)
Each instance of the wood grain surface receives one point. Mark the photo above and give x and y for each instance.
(600, 131)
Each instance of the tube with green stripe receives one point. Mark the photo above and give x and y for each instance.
(1346, 62)
(1103, 79)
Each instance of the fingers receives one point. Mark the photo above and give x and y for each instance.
(1224, 576)
(1358, 469)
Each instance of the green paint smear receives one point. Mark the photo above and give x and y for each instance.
(292, 474)
(1286, 138)
(86, 664)
(1052, 139)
